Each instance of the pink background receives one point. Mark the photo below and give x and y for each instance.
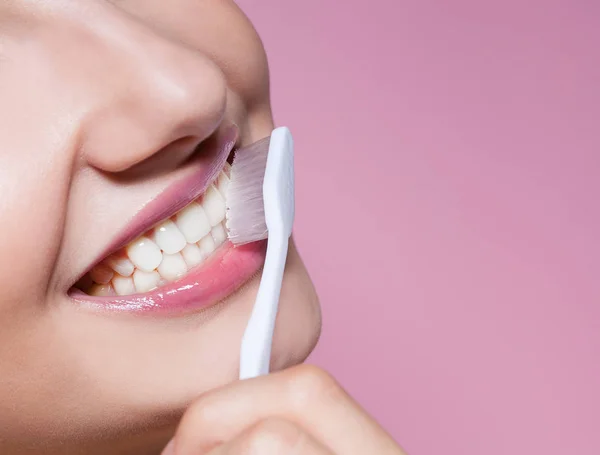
(448, 159)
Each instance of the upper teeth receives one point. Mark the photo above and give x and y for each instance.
(144, 253)
(169, 249)
(169, 238)
(193, 222)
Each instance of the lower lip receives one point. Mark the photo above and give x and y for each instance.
(209, 283)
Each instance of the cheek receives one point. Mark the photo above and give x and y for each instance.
(34, 179)
(241, 55)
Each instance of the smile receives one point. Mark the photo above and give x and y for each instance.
(183, 261)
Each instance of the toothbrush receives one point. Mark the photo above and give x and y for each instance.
(260, 204)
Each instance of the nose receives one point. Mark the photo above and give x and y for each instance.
(150, 97)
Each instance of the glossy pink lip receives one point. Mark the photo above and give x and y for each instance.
(224, 272)
(228, 269)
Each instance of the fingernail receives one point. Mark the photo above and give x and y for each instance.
(169, 449)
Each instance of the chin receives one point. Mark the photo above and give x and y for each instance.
(299, 320)
(199, 367)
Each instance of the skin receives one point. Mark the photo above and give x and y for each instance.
(300, 411)
(97, 99)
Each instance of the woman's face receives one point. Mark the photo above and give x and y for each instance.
(114, 116)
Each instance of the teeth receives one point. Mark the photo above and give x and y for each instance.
(214, 204)
(167, 251)
(123, 285)
(145, 281)
(121, 265)
(193, 222)
(169, 238)
(172, 266)
(223, 184)
(144, 254)
(192, 255)
(101, 290)
(102, 274)
(218, 234)
(206, 245)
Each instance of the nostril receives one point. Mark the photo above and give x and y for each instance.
(158, 132)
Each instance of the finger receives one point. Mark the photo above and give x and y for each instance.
(305, 395)
(272, 437)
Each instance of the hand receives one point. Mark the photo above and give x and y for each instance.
(300, 411)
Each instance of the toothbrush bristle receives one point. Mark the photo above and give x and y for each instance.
(244, 199)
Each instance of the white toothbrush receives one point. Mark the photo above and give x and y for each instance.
(259, 208)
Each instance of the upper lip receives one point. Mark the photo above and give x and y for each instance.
(211, 158)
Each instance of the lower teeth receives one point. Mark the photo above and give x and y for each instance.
(171, 268)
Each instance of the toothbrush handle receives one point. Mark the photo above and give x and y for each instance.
(255, 354)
